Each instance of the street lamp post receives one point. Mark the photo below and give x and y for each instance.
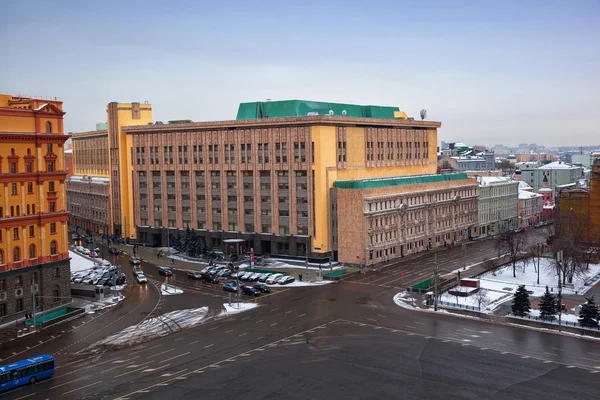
(435, 282)
(559, 259)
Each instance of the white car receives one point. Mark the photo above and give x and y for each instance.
(86, 251)
(286, 280)
(79, 249)
(273, 278)
(245, 276)
(105, 263)
(141, 278)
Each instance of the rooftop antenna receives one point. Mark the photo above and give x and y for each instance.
(423, 114)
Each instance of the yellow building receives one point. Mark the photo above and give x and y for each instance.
(100, 190)
(33, 213)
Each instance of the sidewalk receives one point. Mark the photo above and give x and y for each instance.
(149, 254)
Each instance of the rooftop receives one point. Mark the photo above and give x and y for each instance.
(524, 195)
(558, 165)
(302, 108)
(398, 181)
(494, 180)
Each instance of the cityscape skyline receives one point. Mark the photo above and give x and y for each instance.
(522, 71)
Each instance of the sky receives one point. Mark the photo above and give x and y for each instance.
(493, 72)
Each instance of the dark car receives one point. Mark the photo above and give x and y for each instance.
(250, 291)
(262, 288)
(165, 271)
(114, 250)
(135, 260)
(210, 278)
(230, 287)
(195, 275)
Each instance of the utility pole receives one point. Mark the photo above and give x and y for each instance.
(306, 260)
(435, 282)
(33, 301)
(538, 271)
(559, 258)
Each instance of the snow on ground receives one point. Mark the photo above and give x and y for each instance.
(499, 286)
(236, 308)
(153, 328)
(297, 283)
(168, 290)
(274, 263)
(564, 317)
(79, 263)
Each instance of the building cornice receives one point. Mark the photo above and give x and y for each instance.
(90, 134)
(281, 122)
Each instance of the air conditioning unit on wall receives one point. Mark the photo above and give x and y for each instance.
(19, 292)
(2, 296)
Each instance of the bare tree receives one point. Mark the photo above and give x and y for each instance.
(571, 231)
(482, 298)
(423, 114)
(514, 245)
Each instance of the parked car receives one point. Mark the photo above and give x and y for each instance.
(230, 287)
(205, 270)
(262, 288)
(286, 280)
(254, 277)
(195, 275)
(224, 273)
(245, 276)
(93, 254)
(141, 278)
(137, 270)
(250, 291)
(165, 271)
(135, 260)
(210, 278)
(272, 279)
(237, 275)
(86, 251)
(263, 277)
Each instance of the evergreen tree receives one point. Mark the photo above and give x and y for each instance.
(176, 242)
(588, 314)
(548, 306)
(521, 305)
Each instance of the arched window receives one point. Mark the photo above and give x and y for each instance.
(1, 257)
(12, 211)
(16, 254)
(33, 208)
(18, 211)
(28, 209)
(32, 251)
(48, 127)
(53, 247)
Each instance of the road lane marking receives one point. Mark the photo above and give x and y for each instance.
(24, 397)
(178, 339)
(382, 316)
(156, 369)
(195, 341)
(409, 326)
(259, 321)
(213, 328)
(301, 315)
(66, 383)
(419, 323)
(372, 319)
(274, 309)
(287, 312)
(172, 358)
(162, 352)
(208, 345)
(274, 324)
(143, 366)
(552, 354)
(509, 340)
(554, 348)
(83, 387)
(231, 330)
(243, 334)
(243, 319)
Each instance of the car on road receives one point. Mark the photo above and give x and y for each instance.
(250, 291)
(141, 278)
(114, 250)
(137, 270)
(205, 270)
(262, 288)
(224, 273)
(230, 287)
(272, 279)
(86, 251)
(135, 260)
(210, 278)
(165, 271)
(286, 280)
(195, 275)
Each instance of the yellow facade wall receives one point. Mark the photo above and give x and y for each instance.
(355, 146)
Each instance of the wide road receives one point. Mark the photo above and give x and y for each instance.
(341, 340)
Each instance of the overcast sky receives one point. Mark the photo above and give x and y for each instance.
(491, 71)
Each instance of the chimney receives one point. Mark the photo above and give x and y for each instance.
(518, 175)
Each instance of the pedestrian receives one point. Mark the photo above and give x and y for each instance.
(300, 277)
(458, 275)
(172, 261)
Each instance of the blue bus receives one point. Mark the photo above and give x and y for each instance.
(22, 372)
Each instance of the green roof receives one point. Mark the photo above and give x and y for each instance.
(398, 181)
(301, 108)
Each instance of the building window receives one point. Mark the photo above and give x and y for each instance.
(12, 167)
(56, 293)
(51, 186)
(53, 228)
(49, 127)
(13, 187)
(2, 285)
(32, 251)
(52, 206)
(33, 208)
(19, 305)
(1, 258)
(50, 166)
(29, 187)
(53, 249)
(31, 231)
(16, 255)
(56, 273)
(16, 233)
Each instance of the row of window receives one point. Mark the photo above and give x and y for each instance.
(381, 151)
(32, 252)
(229, 153)
(31, 230)
(25, 372)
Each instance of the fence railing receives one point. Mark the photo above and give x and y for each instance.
(555, 322)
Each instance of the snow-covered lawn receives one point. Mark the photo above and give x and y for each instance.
(526, 275)
(564, 317)
(500, 285)
(168, 290)
(80, 263)
(236, 308)
(153, 328)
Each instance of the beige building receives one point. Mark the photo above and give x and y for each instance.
(380, 219)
